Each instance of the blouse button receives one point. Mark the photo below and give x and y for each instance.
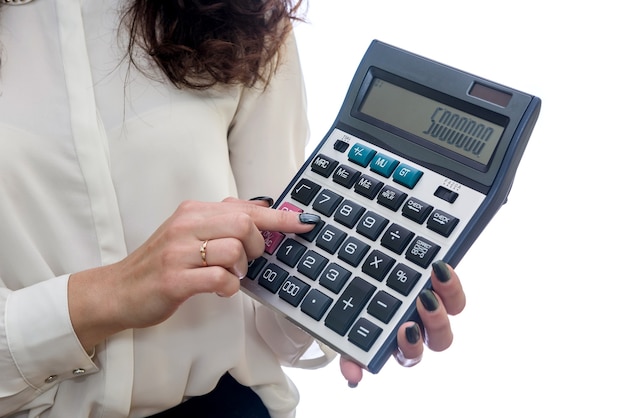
(51, 379)
(78, 372)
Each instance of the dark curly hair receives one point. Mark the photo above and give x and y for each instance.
(199, 43)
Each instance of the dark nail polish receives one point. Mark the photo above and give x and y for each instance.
(266, 199)
(441, 271)
(412, 334)
(309, 218)
(429, 300)
(352, 384)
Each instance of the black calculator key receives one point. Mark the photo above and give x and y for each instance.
(371, 225)
(383, 306)
(396, 238)
(341, 146)
(315, 304)
(305, 191)
(446, 194)
(323, 165)
(326, 202)
(310, 236)
(312, 264)
(416, 210)
(293, 290)
(290, 252)
(377, 265)
(391, 198)
(442, 223)
(272, 277)
(364, 334)
(349, 305)
(334, 277)
(352, 251)
(255, 266)
(348, 213)
(346, 176)
(330, 239)
(368, 186)
(402, 279)
(422, 251)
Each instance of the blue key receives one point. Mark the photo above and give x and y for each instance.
(361, 155)
(383, 165)
(407, 175)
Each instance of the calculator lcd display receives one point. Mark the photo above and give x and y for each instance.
(438, 123)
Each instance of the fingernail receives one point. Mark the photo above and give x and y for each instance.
(429, 300)
(309, 218)
(239, 274)
(441, 271)
(412, 334)
(266, 199)
(352, 385)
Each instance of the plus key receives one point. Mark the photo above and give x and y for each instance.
(349, 305)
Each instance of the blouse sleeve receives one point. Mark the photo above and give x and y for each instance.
(38, 346)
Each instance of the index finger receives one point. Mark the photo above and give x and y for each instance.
(279, 220)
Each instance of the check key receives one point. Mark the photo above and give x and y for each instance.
(442, 223)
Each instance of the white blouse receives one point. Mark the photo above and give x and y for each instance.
(94, 155)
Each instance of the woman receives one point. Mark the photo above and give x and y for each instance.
(119, 283)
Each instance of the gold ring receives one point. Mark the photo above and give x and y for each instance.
(203, 253)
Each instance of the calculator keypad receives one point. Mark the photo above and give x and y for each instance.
(384, 221)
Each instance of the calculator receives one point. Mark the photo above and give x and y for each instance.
(419, 159)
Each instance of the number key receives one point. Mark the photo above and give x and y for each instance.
(371, 225)
(272, 277)
(349, 213)
(330, 239)
(334, 277)
(293, 290)
(290, 252)
(312, 264)
(326, 202)
(353, 251)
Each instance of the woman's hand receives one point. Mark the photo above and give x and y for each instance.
(201, 248)
(446, 298)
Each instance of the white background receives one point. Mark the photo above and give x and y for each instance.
(542, 334)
